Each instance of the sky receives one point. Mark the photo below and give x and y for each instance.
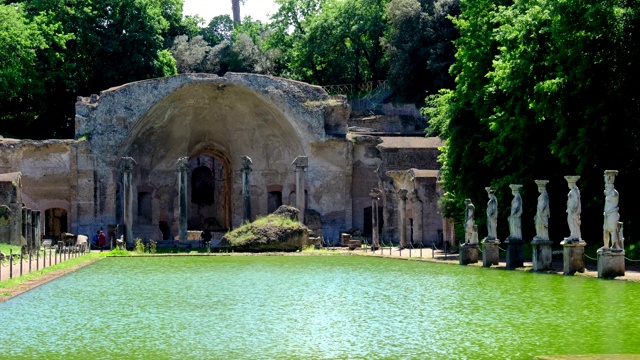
(207, 9)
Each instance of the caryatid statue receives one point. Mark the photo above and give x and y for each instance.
(469, 222)
(492, 214)
(574, 208)
(541, 219)
(611, 228)
(515, 222)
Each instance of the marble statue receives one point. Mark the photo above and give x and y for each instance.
(515, 222)
(474, 237)
(611, 214)
(492, 214)
(469, 221)
(573, 208)
(541, 219)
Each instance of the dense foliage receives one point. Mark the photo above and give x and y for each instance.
(54, 51)
(544, 88)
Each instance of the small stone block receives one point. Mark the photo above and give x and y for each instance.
(515, 256)
(354, 244)
(468, 254)
(542, 255)
(490, 253)
(610, 263)
(573, 256)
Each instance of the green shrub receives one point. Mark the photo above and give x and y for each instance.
(139, 246)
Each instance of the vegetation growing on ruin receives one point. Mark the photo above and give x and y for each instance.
(269, 233)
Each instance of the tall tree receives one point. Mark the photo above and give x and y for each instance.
(110, 43)
(544, 88)
(419, 46)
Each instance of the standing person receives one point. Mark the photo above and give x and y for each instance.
(101, 239)
(206, 237)
(94, 240)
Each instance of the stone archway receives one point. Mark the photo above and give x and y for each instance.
(158, 121)
(209, 194)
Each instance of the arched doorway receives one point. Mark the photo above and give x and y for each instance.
(209, 191)
(55, 223)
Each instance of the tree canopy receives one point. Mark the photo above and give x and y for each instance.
(544, 88)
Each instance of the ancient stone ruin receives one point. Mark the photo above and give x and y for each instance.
(302, 150)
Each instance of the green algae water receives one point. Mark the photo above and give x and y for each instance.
(315, 307)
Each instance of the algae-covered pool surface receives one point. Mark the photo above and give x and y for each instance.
(316, 307)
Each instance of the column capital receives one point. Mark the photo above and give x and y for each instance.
(403, 194)
(127, 163)
(301, 162)
(246, 163)
(375, 193)
(183, 164)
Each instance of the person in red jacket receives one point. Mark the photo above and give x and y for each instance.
(102, 240)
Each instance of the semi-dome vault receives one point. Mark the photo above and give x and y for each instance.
(213, 121)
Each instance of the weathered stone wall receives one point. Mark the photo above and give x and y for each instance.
(51, 177)
(269, 119)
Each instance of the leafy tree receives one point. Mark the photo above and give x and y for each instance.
(219, 29)
(28, 59)
(543, 89)
(330, 41)
(109, 43)
(419, 46)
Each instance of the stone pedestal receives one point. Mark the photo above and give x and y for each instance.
(542, 254)
(468, 254)
(573, 256)
(515, 257)
(610, 263)
(490, 252)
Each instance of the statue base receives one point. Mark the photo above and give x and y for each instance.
(610, 263)
(468, 254)
(490, 252)
(573, 256)
(515, 258)
(542, 254)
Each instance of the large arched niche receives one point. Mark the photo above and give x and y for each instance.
(220, 120)
(231, 119)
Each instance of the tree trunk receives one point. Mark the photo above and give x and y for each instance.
(235, 7)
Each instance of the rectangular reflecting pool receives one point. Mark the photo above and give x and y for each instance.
(315, 307)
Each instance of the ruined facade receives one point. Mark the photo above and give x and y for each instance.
(214, 121)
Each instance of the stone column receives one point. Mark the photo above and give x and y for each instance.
(29, 236)
(35, 241)
(573, 246)
(611, 255)
(246, 189)
(301, 163)
(127, 199)
(402, 209)
(541, 244)
(375, 241)
(418, 215)
(16, 223)
(183, 207)
(38, 229)
(25, 233)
